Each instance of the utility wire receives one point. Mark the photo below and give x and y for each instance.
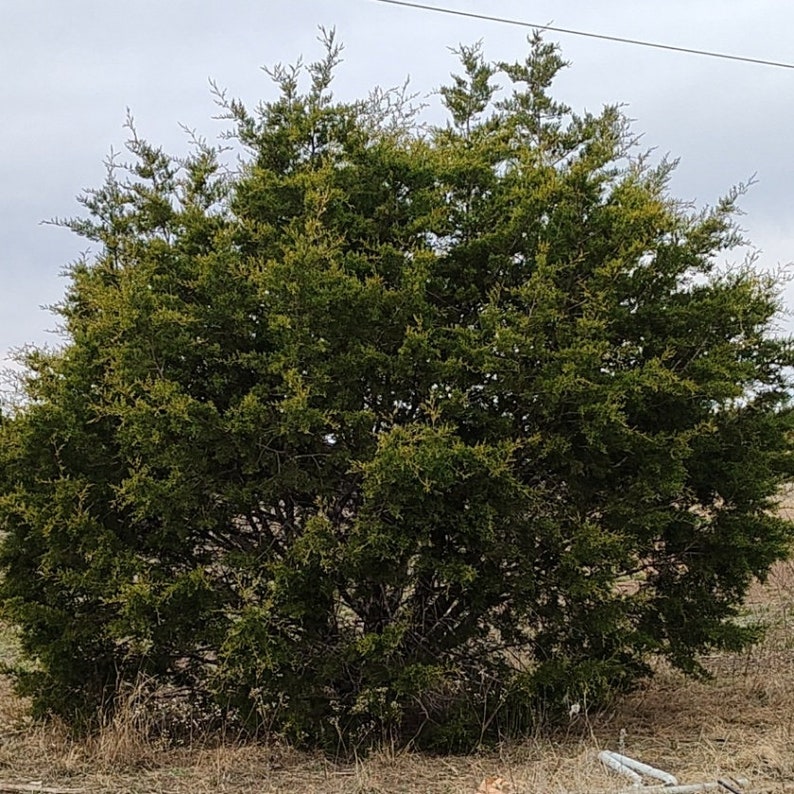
(638, 42)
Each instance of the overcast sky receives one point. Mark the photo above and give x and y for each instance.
(71, 68)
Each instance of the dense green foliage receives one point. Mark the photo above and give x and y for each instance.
(394, 430)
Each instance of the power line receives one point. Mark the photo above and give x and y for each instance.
(604, 37)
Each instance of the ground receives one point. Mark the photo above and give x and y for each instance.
(739, 723)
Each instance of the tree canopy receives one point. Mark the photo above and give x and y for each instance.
(393, 429)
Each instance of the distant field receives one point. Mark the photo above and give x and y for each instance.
(740, 723)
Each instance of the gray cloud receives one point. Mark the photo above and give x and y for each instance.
(71, 69)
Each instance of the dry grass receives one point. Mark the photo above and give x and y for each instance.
(739, 723)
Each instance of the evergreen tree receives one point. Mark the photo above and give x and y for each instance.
(395, 431)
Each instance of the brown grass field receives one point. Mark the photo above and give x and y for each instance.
(740, 723)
